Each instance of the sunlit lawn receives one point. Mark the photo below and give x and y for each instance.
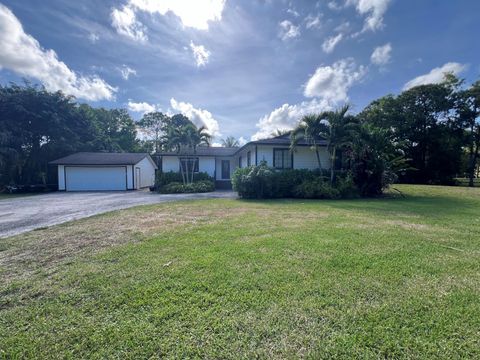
(392, 277)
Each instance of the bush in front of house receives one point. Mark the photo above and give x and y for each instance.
(264, 182)
(169, 177)
(200, 186)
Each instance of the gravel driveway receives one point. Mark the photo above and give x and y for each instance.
(23, 214)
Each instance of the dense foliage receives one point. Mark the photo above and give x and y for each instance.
(194, 187)
(37, 126)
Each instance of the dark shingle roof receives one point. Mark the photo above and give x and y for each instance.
(96, 158)
(206, 151)
(283, 140)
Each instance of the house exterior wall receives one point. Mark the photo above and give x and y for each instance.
(244, 155)
(147, 173)
(61, 177)
(303, 156)
(205, 164)
(130, 172)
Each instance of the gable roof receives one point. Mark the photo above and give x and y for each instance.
(205, 151)
(99, 158)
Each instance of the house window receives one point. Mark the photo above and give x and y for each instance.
(249, 158)
(240, 162)
(282, 159)
(187, 163)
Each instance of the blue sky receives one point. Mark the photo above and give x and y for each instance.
(243, 68)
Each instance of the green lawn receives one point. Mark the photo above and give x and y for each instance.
(393, 277)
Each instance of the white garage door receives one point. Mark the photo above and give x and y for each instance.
(83, 178)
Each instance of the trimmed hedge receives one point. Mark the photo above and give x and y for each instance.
(196, 187)
(164, 178)
(263, 182)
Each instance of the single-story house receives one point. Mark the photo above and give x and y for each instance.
(220, 162)
(89, 171)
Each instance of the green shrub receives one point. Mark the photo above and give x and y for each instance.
(316, 189)
(196, 187)
(254, 182)
(164, 178)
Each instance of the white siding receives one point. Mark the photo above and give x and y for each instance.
(244, 156)
(205, 164)
(147, 173)
(170, 163)
(130, 170)
(61, 177)
(305, 158)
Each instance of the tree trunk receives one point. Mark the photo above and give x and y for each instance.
(471, 161)
(332, 165)
(318, 158)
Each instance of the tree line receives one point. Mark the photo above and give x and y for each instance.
(435, 128)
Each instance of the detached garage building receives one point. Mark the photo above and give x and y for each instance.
(87, 171)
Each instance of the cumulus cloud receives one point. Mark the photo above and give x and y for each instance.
(436, 75)
(382, 55)
(329, 44)
(288, 30)
(23, 54)
(331, 83)
(200, 54)
(126, 71)
(287, 116)
(141, 107)
(125, 21)
(196, 14)
(375, 11)
(312, 22)
(199, 117)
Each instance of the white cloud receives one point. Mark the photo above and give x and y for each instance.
(293, 12)
(287, 116)
(195, 14)
(374, 9)
(125, 22)
(141, 107)
(93, 37)
(288, 30)
(22, 53)
(200, 54)
(332, 5)
(329, 44)
(382, 55)
(198, 116)
(312, 22)
(436, 75)
(242, 141)
(127, 71)
(331, 83)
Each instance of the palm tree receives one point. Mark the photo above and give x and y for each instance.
(230, 141)
(186, 139)
(309, 129)
(333, 126)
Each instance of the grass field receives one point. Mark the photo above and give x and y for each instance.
(396, 277)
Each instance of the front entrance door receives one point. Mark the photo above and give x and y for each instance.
(225, 169)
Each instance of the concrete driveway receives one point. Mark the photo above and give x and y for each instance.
(23, 214)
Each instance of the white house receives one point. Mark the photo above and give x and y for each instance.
(87, 171)
(220, 162)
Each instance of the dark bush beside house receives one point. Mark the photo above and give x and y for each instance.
(263, 182)
(171, 183)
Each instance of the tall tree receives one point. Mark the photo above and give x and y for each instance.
(230, 141)
(468, 110)
(152, 125)
(309, 129)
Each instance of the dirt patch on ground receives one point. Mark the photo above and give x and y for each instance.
(44, 249)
